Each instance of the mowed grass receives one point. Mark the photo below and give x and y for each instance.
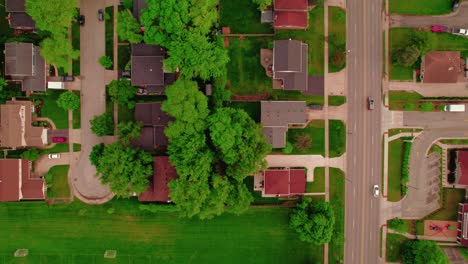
(395, 162)
(59, 184)
(316, 130)
(245, 73)
(242, 16)
(284, 95)
(394, 247)
(336, 26)
(313, 36)
(337, 196)
(51, 110)
(449, 207)
(420, 7)
(76, 45)
(318, 185)
(109, 31)
(398, 99)
(77, 114)
(125, 114)
(337, 130)
(336, 100)
(261, 235)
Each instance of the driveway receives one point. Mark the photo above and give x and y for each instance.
(87, 187)
(43, 164)
(456, 19)
(308, 161)
(459, 89)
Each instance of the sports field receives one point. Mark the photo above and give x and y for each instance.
(78, 233)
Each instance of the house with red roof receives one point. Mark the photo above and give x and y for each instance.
(284, 182)
(462, 231)
(290, 14)
(17, 182)
(158, 191)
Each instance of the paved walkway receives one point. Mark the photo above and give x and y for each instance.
(411, 236)
(432, 89)
(336, 83)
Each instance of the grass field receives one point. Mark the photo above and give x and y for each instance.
(336, 27)
(394, 244)
(318, 185)
(313, 36)
(51, 110)
(337, 196)
(76, 45)
(109, 31)
(395, 161)
(337, 141)
(242, 16)
(252, 108)
(261, 235)
(398, 99)
(316, 130)
(420, 7)
(336, 100)
(59, 185)
(245, 73)
(449, 205)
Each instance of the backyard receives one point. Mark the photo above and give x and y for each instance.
(316, 131)
(58, 182)
(51, 110)
(336, 38)
(395, 162)
(394, 246)
(318, 185)
(242, 16)
(337, 130)
(337, 196)
(78, 233)
(420, 7)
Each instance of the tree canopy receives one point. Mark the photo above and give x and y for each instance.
(128, 131)
(31, 154)
(263, 4)
(128, 29)
(122, 92)
(102, 125)
(397, 225)
(423, 252)
(106, 62)
(54, 16)
(313, 221)
(58, 50)
(406, 56)
(68, 101)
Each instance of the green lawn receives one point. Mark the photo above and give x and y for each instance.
(58, 148)
(401, 73)
(396, 131)
(336, 100)
(394, 246)
(245, 73)
(395, 161)
(464, 252)
(109, 32)
(398, 99)
(450, 200)
(313, 36)
(76, 45)
(420, 7)
(77, 115)
(51, 110)
(318, 185)
(337, 196)
(242, 16)
(261, 235)
(316, 130)
(59, 182)
(337, 138)
(337, 31)
(283, 95)
(252, 108)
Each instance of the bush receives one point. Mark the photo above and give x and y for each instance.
(106, 62)
(68, 101)
(288, 149)
(451, 178)
(427, 107)
(31, 154)
(102, 125)
(397, 225)
(405, 166)
(410, 107)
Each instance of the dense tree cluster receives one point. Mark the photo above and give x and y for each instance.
(128, 28)
(68, 101)
(122, 92)
(418, 43)
(263, 4)
(102, 125)
(212, 152)
(423, 252)
(185, 28)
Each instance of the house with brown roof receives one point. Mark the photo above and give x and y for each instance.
(284, 182)
(462, 218)
(24, 63)
(441, 67)
(461, 173)
(17, 183)
(148, 68)
(290, 64)
(290, 14)
(276, 116)
(17, 16)
(138, 6)
(154, 122)
(158, 191)
(16, 130)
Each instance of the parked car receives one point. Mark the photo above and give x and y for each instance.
(370, 103)
(54, 156)
(455, 5)
(68, 78)
(100, 15)
(440, 29)
(59, 139)
(81, 20)
(375, 190)
(142, 91)
(460, 31)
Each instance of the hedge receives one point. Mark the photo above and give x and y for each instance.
(405, 166)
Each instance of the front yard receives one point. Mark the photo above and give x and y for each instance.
(336, 39)
(315, 131)
(57, 182)
(242, 16)
(51, 110)
(337, 140)
(420, 7)
(318, 185)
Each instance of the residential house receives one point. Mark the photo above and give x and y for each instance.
(276, 116)
(290, 14)
(441, 67)
(17, 183)
(147, 68)
(154, 122)
(24, 63)
(138, 6)
(290, 64)
(158, 191)
(17, 16)
(16, 130)
(462, 231)
(284, 182)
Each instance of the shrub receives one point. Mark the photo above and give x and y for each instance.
(31, 154)
(397, 225)
(68, 101)
(428, 106)
(106, 62)
(410, 107)
(405, 166)
(102, 125)
(288, 149)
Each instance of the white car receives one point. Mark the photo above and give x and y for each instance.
(54, 156)
(376, 190)
(461, 31)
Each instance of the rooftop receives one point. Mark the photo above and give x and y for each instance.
(288, 5)
(15, 5)
(290, 64)
(16, 183)
(158, 191)
(462, 237)
(290, 14)
(154, 122)
(138, 5)
(284, 182)
(441, 67)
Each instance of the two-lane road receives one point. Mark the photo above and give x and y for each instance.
(364, 141)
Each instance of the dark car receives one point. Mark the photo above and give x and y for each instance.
(370, 103)
(59, 139)
(455, 5)
(100, 15)
(68, 78)
(439, 29)
(81, 20)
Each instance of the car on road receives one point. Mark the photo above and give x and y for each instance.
(439, 29)
(100, 15)
(59, 139)
(81, 20)
(375, 190)
(68, 78)
(370, 103)
(54, 156)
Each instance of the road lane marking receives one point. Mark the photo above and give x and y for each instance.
(372, 139)
(372, 171)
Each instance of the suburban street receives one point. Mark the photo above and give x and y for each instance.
(364, 142)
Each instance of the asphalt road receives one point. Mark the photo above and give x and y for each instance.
(364, 139)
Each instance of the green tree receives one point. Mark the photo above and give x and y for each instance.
(128, 29)
(406, 56)
(31, 154)
(397, 225)
(54, 16)
(102, 125)
(427, 106)
(128, 131)
(262, 4)
(58, 51)
(288, 148)
(106, 62)
(410, 107)
(125, 169)
(314, 222)
(96, 153)
(422, 40)
(122, 92)
(68, 101)
(423, 252)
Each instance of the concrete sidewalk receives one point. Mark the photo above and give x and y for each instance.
(432, 89)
